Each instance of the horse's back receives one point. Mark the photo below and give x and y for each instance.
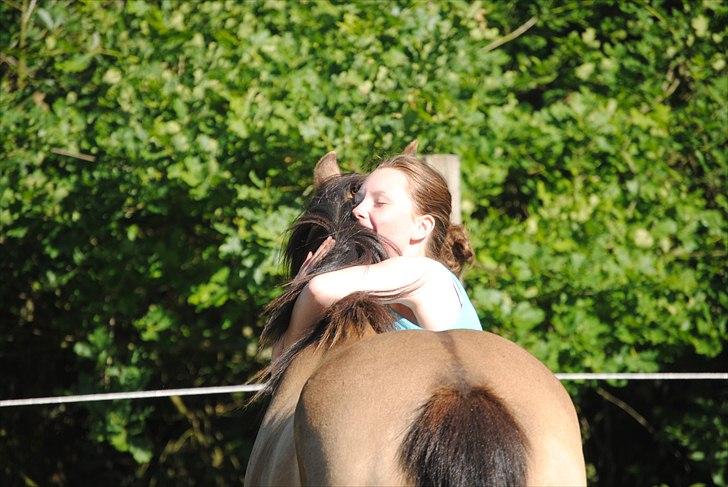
(356, 410)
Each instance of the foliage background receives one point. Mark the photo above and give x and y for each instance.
(593, 148)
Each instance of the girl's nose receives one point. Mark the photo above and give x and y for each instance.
(359, 212)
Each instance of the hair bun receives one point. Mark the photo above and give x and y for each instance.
(456, 250)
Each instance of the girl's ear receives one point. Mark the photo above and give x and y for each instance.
(424, 224)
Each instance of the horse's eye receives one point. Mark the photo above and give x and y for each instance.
(357, 198)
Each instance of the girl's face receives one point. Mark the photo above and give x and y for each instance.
(385, 206)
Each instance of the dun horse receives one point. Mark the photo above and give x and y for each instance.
(353, 405)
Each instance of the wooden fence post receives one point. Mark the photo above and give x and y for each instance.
(449, 166)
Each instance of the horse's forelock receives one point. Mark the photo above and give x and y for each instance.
(328, 213)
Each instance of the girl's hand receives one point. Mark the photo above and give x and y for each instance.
(314, 258)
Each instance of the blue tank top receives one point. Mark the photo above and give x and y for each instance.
(468, 318)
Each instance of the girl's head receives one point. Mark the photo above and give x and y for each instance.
(407, 202)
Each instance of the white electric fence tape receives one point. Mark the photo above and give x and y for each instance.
(196, 391)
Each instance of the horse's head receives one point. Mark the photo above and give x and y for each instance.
(329, 213)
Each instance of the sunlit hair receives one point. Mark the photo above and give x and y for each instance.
(428, 189)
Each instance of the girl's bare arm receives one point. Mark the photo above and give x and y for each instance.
(427, 285)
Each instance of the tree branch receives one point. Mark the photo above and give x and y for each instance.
(509, 37)
(626, 408)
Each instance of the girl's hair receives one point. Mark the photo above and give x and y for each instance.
(448, 243)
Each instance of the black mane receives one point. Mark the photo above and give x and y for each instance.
(328, 213)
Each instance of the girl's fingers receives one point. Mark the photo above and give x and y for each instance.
(306, 263)
(314, 257)
(324, 248)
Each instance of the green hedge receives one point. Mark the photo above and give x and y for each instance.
(153, 155)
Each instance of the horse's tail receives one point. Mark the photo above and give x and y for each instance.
(465, 436)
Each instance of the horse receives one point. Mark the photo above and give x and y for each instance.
(353, 403)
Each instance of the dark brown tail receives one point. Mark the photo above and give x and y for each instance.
(465, 437)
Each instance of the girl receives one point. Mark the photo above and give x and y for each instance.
(407, 203)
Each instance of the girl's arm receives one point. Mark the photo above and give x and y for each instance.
(429, 292)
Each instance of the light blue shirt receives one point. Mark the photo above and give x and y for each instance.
(467, 319)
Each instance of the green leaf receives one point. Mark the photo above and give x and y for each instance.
(525, 316)
(75, 64)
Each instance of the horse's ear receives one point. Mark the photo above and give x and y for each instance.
(325, 168)
(411, 148)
